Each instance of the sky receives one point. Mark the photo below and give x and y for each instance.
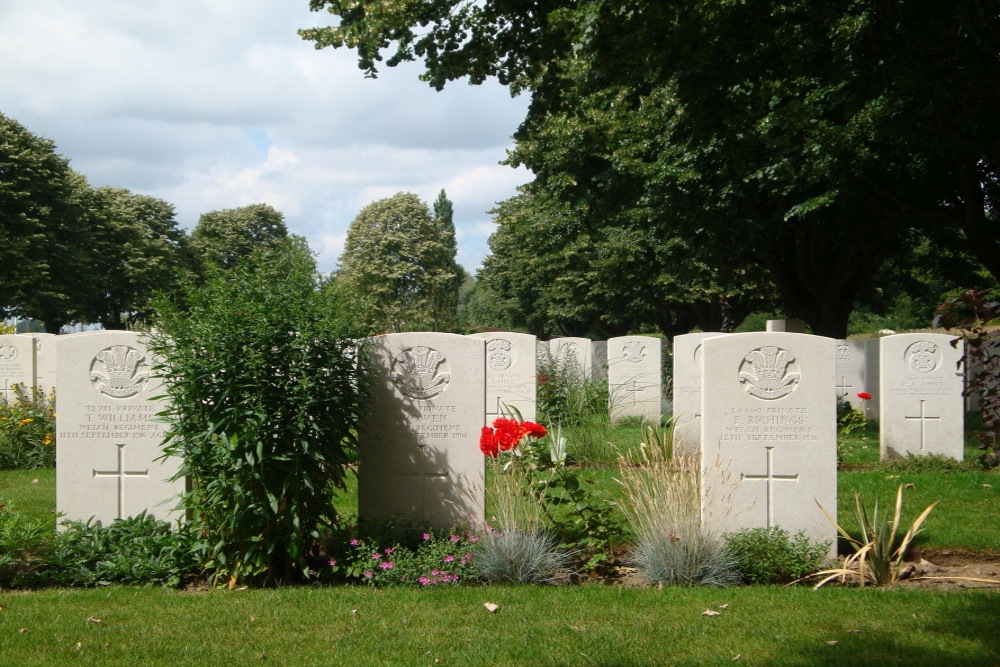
(214, 104)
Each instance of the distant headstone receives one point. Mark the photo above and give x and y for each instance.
(419, 455)
(45, 361)
(598, 360)
(687, 353)
(851, 372)
(17, 364)
(109, 438)
(769, 437)
(635, 386)
(573, 356)
(511, 373)
(921, 409)
(872, 347)
(786, 326)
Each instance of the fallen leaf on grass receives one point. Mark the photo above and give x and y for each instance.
(709, 612)
(490, 607)
(22, 630)
(832, 642)
(34, 481)
(79, 645)
(93, 619)
(909, 486)
(724, 606)
(854, 632)
(2, 607)
(737, 657)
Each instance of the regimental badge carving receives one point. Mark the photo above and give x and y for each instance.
(8, 352)
(420, 372)
(498, 354)
(118, 371)
(923, 357)
(634, 351)
(769, 372)
(843, 353)
(566, 349)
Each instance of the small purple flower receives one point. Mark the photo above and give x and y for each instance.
(455, 538)
(376, 556)
(388, 550)
(427, 536)
(449, 558)
(355, 542)
(332, 562)
(368, 575)
(473, 539)
(386, 565)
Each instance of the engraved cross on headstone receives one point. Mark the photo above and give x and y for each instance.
(630, 389)
(121, 474)
(770, 478)
(923, 419)
(842, 387)
(6, 389)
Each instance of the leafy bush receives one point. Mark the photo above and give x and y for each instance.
(565, 396)
(772, 556)
(138, 551)
(263, 402)
(27, 429)
(24, 542)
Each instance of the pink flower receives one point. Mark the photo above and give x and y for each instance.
(455, 538)
(332, 562)
(388, 550)
(427, 536)
(368, 575)
(355, 542)
(386, 565)
(449, 558)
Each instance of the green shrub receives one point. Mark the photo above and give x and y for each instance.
(138, 551)
(263, 402)
(24, 541)
(27, 429)
(772, 556)
(416, 559)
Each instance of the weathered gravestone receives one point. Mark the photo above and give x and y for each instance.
(598, 360)
(687, 352)
(419, 455)
(871, 408)
(511, 373)
(769, 436)
(17, 364)
(572, 356)
(921, 408)
(109, 439)
(634, 377)
(851, 372)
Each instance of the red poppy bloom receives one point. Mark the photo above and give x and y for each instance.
(488, 443)
(864, 395)
(533, 429)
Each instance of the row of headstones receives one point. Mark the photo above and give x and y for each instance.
(767, 431)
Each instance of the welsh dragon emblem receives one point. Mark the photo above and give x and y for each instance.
(766, 374)
(116, 372)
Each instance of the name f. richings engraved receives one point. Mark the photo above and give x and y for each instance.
(923, 356)
(118, 371)
(498, 354)
(766, 373)
(420, 372)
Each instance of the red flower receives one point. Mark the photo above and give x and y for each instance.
(864, 395)
(508, 433)
(488, 443)
(533, 429)
(543, 379)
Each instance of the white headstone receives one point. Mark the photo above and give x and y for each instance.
(769, 436)
(921, 408)
(635, 386)
(687, 391)
(17, 364)
(45, 361)
(109, 437)
(872, 347)
(851, 372)
(572, 355)
(511, 373)
(419, 442)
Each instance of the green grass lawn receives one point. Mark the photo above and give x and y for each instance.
(534, 625)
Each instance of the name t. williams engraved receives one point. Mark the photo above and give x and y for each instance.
(116, 372)
(420, 372)
(766, 373)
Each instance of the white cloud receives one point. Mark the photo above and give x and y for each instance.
(215, 105)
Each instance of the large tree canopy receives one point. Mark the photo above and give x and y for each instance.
(813, 138)
(225, 238)
(399, 264)
(43, 229)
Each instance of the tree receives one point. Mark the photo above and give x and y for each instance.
(446, 298)
(138, 250)
(800, 126)
(395, 263)
(43, 229)
(224, 238)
